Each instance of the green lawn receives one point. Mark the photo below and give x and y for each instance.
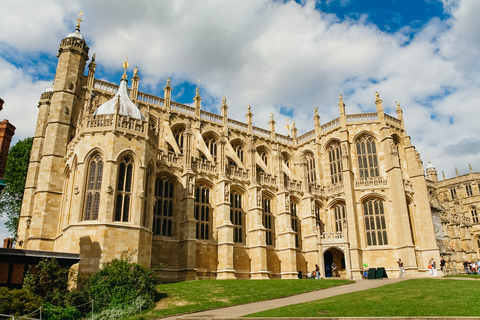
(474, 276)
(410, 298)
(190, 296)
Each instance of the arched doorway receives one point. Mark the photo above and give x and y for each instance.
(337, 256)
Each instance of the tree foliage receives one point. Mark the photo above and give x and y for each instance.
(50, 281)
(18, 302)
(15, 177)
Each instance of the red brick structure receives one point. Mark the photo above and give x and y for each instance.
(7, 130)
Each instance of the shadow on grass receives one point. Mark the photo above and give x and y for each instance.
(160, 295)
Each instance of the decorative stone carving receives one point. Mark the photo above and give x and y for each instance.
(259, 198)
(393, 148)
(76, 190)
(109, 189)
(191, 185)
(287, 203)
(141, 194)
(227, 192)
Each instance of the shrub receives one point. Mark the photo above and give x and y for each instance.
(119, 282)
(121, 311)
(50, 282)
(51, 312)
(18, 302)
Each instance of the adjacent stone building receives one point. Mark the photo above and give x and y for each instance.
(115, 169)
(455, 205)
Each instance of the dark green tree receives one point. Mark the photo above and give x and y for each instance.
(15, 177)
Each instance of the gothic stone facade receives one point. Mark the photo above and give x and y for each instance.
(211, 197)
(455, 204)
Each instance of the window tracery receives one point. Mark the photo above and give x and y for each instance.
(375, 226)
(163, 208)
(295, 223)
(268, 222)
(236, 216)
(474, 214)
(367, 157)
(335, 159)
(124, 189)
(203, 210)
(93, 189)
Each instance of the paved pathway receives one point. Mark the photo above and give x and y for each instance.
(244, 309)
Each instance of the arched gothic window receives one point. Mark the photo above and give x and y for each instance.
(146, 197)
(264, 156)
(236, 216)
(163, 208)
(474, 213)
(237, 147)
(203, 210)
(268, 222)
(335, 159)
(94, 186)
(124, 189)
(211, 143)
(375, 226)
(178, 135)
(367, 158)
(295, 223)
(311, 176)
(340, 217)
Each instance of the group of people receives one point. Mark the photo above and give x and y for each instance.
(472, 267)
(315, 274)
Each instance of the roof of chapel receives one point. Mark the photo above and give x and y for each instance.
(126, 106)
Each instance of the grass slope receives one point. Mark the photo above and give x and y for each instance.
(191, 296)
(411, 298)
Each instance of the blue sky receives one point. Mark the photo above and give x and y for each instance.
(281, 57)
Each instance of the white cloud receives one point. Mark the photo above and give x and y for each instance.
(277, 54)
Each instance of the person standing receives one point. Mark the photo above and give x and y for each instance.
(401, 270)
(334, 269)
(442, 265)
(317, 271)
(434, 268)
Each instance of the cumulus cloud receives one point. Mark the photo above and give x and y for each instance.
(273, 55)
(466, 146)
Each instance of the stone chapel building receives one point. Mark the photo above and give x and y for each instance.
(115, 169)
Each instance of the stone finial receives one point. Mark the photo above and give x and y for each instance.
(470, 167)
(224, 102)
(456, 171)
(377, 96)
(398, 105)
(288, 128)
(271, 117)
(341, 99)
(316, 111)
(135, 72)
